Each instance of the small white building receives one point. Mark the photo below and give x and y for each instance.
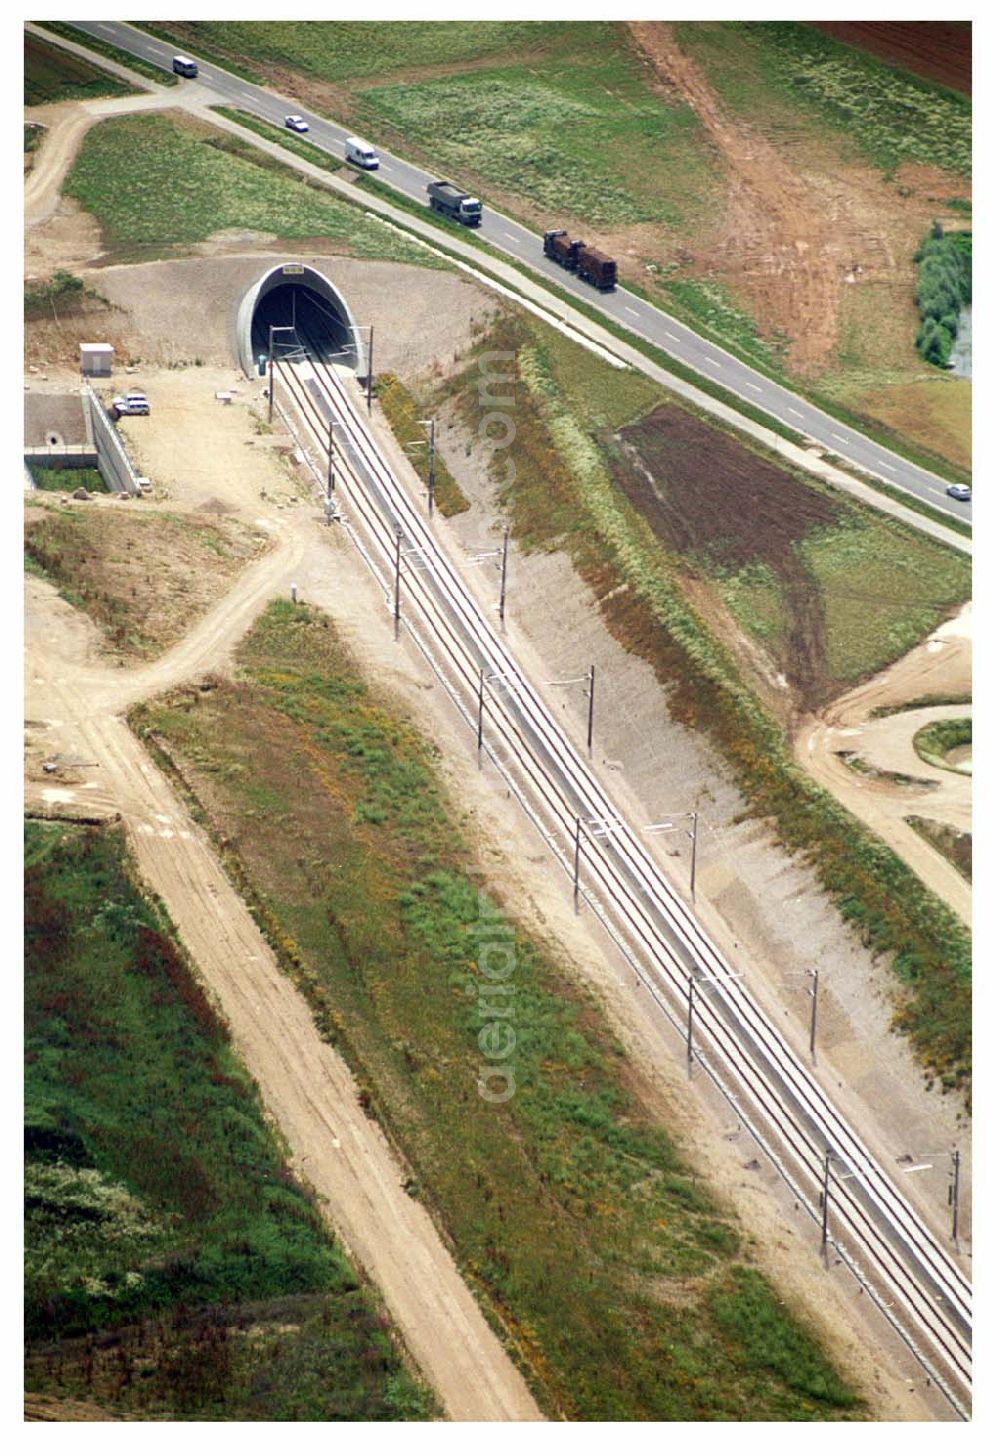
(96, 360)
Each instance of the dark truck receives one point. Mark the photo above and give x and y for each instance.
(586, 262)
(453, 202)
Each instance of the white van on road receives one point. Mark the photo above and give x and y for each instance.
(362, 154)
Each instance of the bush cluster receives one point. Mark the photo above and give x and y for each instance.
(61, 288)
(944, 285)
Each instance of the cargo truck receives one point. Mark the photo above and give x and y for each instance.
(577, 257)
(453, 202)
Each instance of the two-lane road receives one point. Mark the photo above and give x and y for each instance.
(625, 309)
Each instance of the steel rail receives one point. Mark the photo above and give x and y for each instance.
(854, 1154)
(646, 932)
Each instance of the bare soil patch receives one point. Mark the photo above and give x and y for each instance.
(710, 498)
(804, 228)
(144, 576)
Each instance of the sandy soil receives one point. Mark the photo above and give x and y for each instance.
(942, 665)
(74, 704)
(798, 232)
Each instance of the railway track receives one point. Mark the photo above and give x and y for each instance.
(870, 1224)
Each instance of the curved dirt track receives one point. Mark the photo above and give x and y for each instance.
(306, 1086)
(941, 666)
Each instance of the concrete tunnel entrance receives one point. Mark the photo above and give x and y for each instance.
(297, 296)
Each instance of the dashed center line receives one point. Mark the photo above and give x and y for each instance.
(885, 465)
(633, 311)
(797, 413)
(709, 360)
(842, 439)
(755, 387)
(511, 236)
(675, 337)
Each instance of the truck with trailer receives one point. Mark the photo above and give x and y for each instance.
(578, 257)
(454, 203)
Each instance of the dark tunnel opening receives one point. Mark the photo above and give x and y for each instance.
(312, 316)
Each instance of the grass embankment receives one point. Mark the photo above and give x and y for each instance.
(291, 141)
(52, 74)
(59, 295)
(954, 844)
(34, 135)
(405, 416)
(185, 182)
(620, 1286)
(144, 578)
(937, 741)
(174, 1268)
(563, 497)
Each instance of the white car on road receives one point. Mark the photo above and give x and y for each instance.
(296, 123)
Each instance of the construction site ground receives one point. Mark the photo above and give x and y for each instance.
(764, 909)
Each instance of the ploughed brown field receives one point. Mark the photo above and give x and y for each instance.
(941, 50)
(707, 497)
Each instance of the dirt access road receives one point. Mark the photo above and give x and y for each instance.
(74, 706)
(942, 665)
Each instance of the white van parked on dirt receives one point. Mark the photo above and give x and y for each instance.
(362, 154)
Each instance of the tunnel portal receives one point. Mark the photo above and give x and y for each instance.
(293, 295)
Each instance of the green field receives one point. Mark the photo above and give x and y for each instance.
(623, 1289)
(345, 50)
(52, 74)
(581, 139)
(67, 481)
(884, 589)
(160, 1214)
(185, 183)
(800, 78)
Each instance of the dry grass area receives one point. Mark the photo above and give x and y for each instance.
(934, 411)
(143, 575)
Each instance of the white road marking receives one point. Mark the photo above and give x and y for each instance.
(715, 363)
(511, 236)
(755, 387)
(797, 413)
(675, 337)
(886, 466)
(843, 439)
(633, 311)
